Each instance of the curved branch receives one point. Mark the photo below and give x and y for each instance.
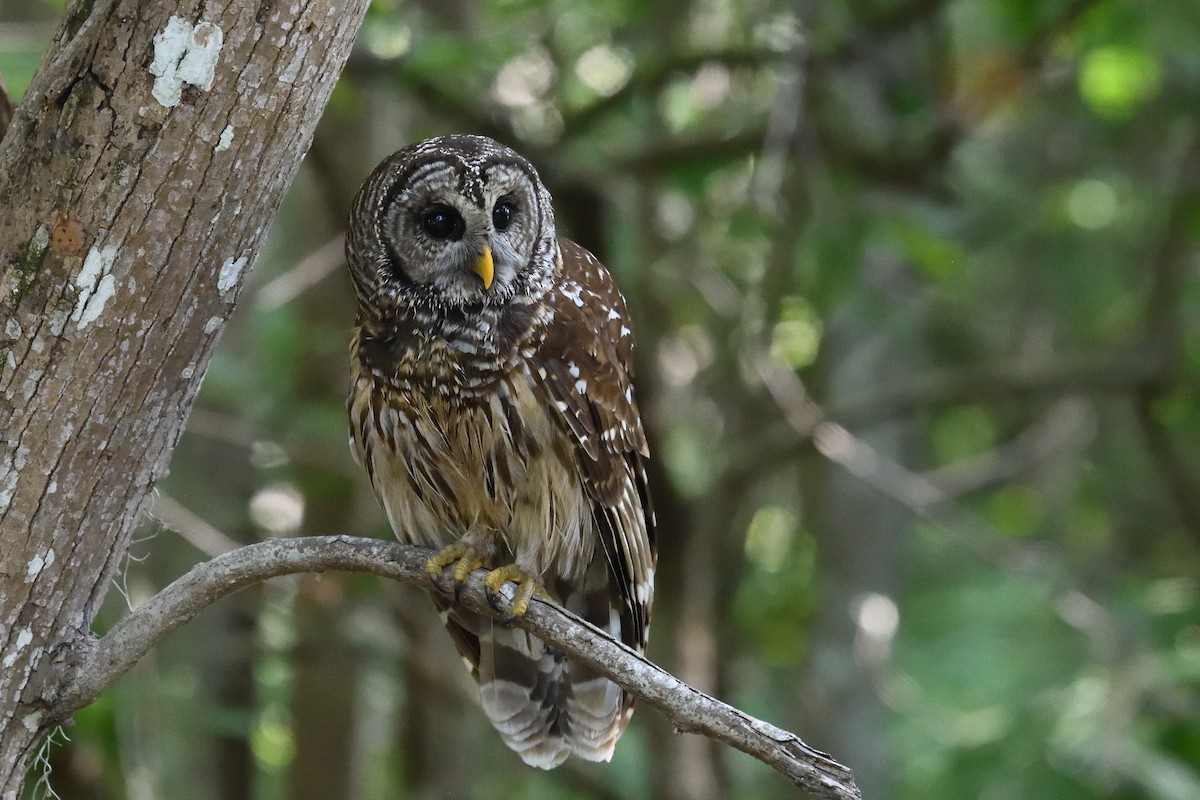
(95, 664)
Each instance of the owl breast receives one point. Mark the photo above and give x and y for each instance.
(442, 465)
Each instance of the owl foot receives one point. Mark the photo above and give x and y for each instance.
(527, 583)
(465, 557)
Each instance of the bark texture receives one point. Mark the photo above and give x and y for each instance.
(137, 182)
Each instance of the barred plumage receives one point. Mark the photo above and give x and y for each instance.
(492, 407)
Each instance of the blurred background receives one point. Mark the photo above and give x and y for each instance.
(917, 296)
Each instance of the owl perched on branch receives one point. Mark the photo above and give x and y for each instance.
(492, 407)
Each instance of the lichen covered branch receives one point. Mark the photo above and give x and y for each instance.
(94, 664)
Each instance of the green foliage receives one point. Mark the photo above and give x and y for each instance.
(963, 432)
(773, 605)
(1116, 80)
(936, 225)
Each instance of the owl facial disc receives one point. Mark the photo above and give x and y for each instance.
(459, 221)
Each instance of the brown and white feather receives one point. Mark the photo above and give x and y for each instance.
(506, 416)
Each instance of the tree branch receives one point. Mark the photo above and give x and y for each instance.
(1108, 373)
(1164, 327)
(92, 665)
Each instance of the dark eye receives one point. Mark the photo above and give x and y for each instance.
(442, 222)
(502, 214)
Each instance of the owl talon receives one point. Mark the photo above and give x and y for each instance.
(527, 583)
(464, 557)
(496, 602)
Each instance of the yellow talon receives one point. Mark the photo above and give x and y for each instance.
(464, 557)
(527, 586)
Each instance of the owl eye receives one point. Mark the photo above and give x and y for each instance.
(442, 222)
(502, 215)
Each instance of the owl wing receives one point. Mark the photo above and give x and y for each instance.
(543, 705)
(585, 365)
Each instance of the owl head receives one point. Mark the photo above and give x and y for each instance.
(455, 222)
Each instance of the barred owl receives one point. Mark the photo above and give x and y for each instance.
(492, 407)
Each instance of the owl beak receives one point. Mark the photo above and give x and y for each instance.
(484, 267)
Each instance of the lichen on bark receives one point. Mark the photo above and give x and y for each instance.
(23, 271)
(109, 271)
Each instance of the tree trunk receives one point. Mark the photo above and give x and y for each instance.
(138, 179)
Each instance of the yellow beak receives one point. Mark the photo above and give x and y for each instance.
(484, 267)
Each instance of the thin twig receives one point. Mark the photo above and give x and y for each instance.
(191, 527)
(1075, 373)
(93, 665)
(316, 267)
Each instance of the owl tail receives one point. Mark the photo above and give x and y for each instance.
(543, 705)
(521, 691)
(597, 709)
